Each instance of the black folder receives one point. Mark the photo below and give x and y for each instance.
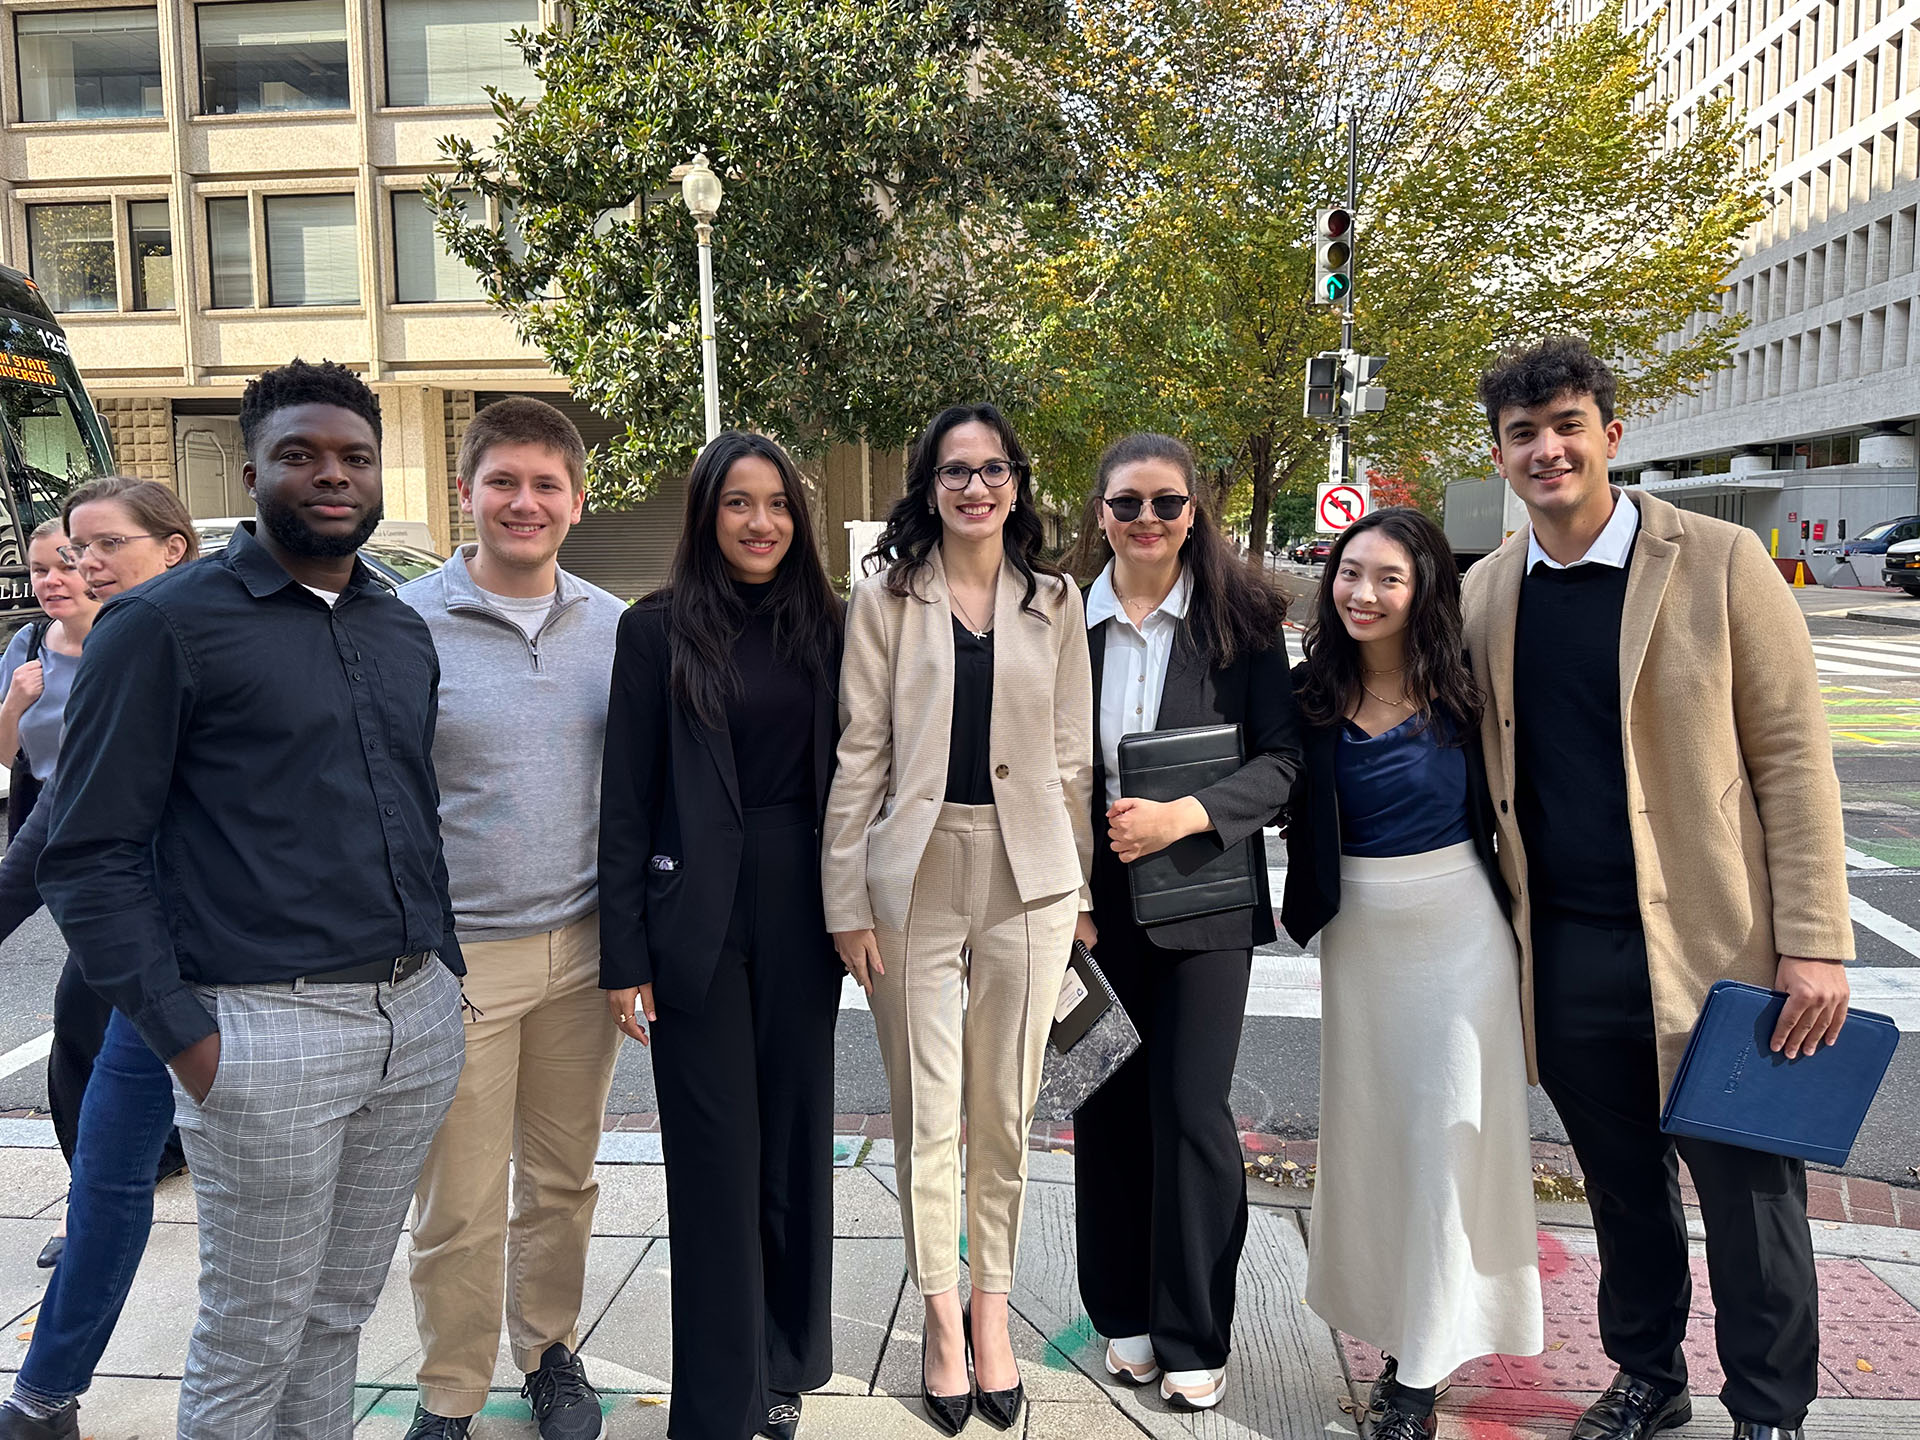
(1733, 1088)
(1194, 876)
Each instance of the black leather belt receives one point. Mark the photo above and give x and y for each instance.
(377, 972)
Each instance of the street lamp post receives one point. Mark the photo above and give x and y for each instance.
(700, 188)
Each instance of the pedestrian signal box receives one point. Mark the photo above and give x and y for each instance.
(1324, 386)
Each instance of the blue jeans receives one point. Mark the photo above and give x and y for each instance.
(124, 1122)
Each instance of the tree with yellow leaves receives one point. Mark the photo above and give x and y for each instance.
(1517, 177)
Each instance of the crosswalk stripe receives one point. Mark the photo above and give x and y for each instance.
(1849, 655)
(1870, 642)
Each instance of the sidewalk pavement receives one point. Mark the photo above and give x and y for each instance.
(1290, 1378)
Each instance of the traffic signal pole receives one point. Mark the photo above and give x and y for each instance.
(1340, 462)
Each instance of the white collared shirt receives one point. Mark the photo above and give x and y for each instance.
(1134, 671)
(1614, 546)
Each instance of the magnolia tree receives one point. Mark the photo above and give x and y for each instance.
(1517, 178)
(876, 158)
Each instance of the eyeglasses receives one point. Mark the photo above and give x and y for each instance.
(107, 545)
(1126, 508)
(994, 473)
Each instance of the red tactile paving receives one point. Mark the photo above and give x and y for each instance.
(1861, 1319)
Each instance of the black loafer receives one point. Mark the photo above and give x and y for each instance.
(1748, 1430)
(949, 1413)
(783, 1417)
(1632, 1409)
(51, 1252)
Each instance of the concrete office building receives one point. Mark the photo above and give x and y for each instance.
(1814, 419)
(205, 190)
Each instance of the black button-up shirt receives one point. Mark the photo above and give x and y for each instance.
(246, 790)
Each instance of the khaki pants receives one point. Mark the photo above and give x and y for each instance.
(955, 1029)
(539, 1064)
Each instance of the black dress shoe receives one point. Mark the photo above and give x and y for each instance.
(1632, 1409)
(63, 1424)
(1748, 1430)
(783, 1417)
(948, 1412)
(1389, 1421)
(51, 1252)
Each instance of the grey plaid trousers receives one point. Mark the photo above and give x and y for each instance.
(304, 1157)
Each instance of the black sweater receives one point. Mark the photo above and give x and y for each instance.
(1571, 774)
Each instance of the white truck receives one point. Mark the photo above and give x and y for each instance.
(1479, 515)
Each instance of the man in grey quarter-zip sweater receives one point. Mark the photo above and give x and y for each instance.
(526, 656)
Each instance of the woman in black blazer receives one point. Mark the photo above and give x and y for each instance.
(712, 928)
(1181, 634)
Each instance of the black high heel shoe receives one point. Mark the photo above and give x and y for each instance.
(999, 1408)
(948, 1412)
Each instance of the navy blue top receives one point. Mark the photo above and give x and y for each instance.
(1402, 792)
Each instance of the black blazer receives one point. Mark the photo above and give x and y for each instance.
(669, 792)
(1254, 694)
(1313, 830)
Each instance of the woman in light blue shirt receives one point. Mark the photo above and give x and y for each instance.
(36, 673)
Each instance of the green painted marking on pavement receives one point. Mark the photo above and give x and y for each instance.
(1062, 1345)
(1905, 853)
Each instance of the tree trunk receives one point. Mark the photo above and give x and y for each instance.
(1260, 452)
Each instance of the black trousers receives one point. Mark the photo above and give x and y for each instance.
(79, 1026)
(1160, 1195)
(746, 1119)
(1594, 1013)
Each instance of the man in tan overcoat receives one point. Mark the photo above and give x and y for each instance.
(1668, 817)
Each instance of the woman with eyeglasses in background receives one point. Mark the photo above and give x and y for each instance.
(123, 533)
(1182, 634)
(956, 850)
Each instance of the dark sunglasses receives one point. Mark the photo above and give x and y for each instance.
(1126, 508)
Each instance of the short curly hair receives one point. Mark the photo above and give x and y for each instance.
(299, 383)
(1563, 365)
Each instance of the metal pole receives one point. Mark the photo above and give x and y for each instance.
(1342, 449)
(709, 351)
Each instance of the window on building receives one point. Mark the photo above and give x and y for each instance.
(447, 52)
(70, 251)
(151, 231)
(230, 253)
(88, 64)
(313, 250)
(273, 55)
(423, 268)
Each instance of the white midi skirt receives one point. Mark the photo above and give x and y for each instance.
(1423, 1237)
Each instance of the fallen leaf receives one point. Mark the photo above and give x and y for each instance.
(1863, 1367)
(1266, 1160)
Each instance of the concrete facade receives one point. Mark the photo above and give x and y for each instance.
(1829, 361)
(205, 190)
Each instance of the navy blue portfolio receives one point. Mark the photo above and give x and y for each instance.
(1733, 1088)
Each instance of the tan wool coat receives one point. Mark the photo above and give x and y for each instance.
(1732, 799)
(896, 710)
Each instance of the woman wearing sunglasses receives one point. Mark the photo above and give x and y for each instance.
(956, 848)
(1182, 634)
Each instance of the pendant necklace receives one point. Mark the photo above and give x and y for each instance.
(1400, 704)
(965, 618)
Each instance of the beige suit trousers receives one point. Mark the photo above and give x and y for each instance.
(967, 1032)
(540, 1057)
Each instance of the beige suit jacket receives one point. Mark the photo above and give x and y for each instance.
(896, 710)
(1732, 798)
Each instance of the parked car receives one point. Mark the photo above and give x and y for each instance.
(1318, 552)
(1902, 567)
(393, 561)
(1875, 539)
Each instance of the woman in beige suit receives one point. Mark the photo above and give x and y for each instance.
(957, 844)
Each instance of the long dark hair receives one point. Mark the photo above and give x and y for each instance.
(914, 526)
(1437, 671)
(1233, 611)
(705, 616)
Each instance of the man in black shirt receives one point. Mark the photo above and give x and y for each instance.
(1669, 817)
(245, 856)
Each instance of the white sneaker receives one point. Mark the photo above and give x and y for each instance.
(1193, 1389)
(1131, 1359)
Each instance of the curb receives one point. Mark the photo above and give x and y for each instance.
(1881, 617)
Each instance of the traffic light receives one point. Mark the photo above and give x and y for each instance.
(1332, 255)
(1324, 377)
(1358, 394)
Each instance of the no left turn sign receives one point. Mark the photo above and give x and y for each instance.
(1340, 506)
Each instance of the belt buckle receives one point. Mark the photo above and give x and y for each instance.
(405, 965)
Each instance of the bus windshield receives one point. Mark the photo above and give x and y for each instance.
(51, 436)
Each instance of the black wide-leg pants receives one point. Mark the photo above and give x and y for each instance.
(1594, 1020)
(745, 1086)
(1160, 1194)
